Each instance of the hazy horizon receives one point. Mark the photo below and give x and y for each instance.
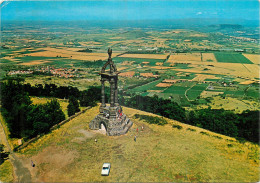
(128, 10)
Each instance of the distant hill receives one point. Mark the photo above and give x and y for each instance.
(227, 26)
(134, 34)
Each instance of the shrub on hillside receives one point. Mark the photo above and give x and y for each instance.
(151, 119)
(177, 126)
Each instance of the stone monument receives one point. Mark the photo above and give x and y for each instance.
(111, 116)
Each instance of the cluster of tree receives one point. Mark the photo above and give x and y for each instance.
(151, 119)
(91, 64)
(156, 105)
(87, 97)
(244, 125)
(3, 155)
(24, 119)
(51, 90)
(142, 52)
(86, 50)
(73, 106)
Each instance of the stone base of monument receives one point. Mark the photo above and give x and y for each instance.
(114, 125)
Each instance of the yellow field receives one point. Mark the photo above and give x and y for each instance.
(235, 69)
(248, 82)
(252, 68)
(206, 94)
(208, 56)
(199, 35)
(185, 57)
(160, 154)
(230, 103)
(154, 91)
(253, 58)
(35, 62)
(6, 170)
(202, 77)
(164, 85)
(148, 56)
(161, 67)
(68, 53)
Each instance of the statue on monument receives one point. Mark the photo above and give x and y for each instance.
(111, 115)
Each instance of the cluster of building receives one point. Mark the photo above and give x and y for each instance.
(24, 72)
(59, 72)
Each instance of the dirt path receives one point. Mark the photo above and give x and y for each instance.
(21, 173)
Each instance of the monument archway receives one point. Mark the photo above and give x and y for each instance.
(112, 116)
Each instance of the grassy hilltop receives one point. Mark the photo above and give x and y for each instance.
(161, 153)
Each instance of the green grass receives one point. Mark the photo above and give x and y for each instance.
(137, 60)
(176, 89)
(196, 90)
(252, 93)
(6, 170)
(149, 86)
(160, 154)
(5, 61)
(231, 58)
(234, 93)
(30, 58)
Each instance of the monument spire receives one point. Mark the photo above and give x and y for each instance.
(112, 117)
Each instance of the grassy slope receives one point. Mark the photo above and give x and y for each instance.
(6, 170)
(161, 153)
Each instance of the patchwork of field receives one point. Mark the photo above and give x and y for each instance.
(143, 61)
(230, 103)
(206, 94)
(253, 58)
(202, 77)
(185, 57)
(148, 56)
(233, 69)
(68, 53)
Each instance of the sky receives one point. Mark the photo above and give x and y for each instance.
(129, 10)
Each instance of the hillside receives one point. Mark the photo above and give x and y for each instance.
(161, 153)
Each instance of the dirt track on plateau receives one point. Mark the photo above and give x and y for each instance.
(21, 173)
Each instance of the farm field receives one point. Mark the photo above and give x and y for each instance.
(70, 53)
(135, 60)
(185, 57)
(253, 58)
(195, 57)
(161, 153)
(232, 58)
(208, 57)
(148, 56)
(235, 104)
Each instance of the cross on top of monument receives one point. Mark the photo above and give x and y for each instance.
(113, 69)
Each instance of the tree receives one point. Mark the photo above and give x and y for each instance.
(73, 106)
(54, 113)
(3, 154)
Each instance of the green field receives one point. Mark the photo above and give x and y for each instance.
(196, 90)
(31, 58)
(149, 86)
(152, 62)
(231, 58)
(176, 89)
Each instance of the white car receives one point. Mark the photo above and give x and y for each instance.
(105, 169)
